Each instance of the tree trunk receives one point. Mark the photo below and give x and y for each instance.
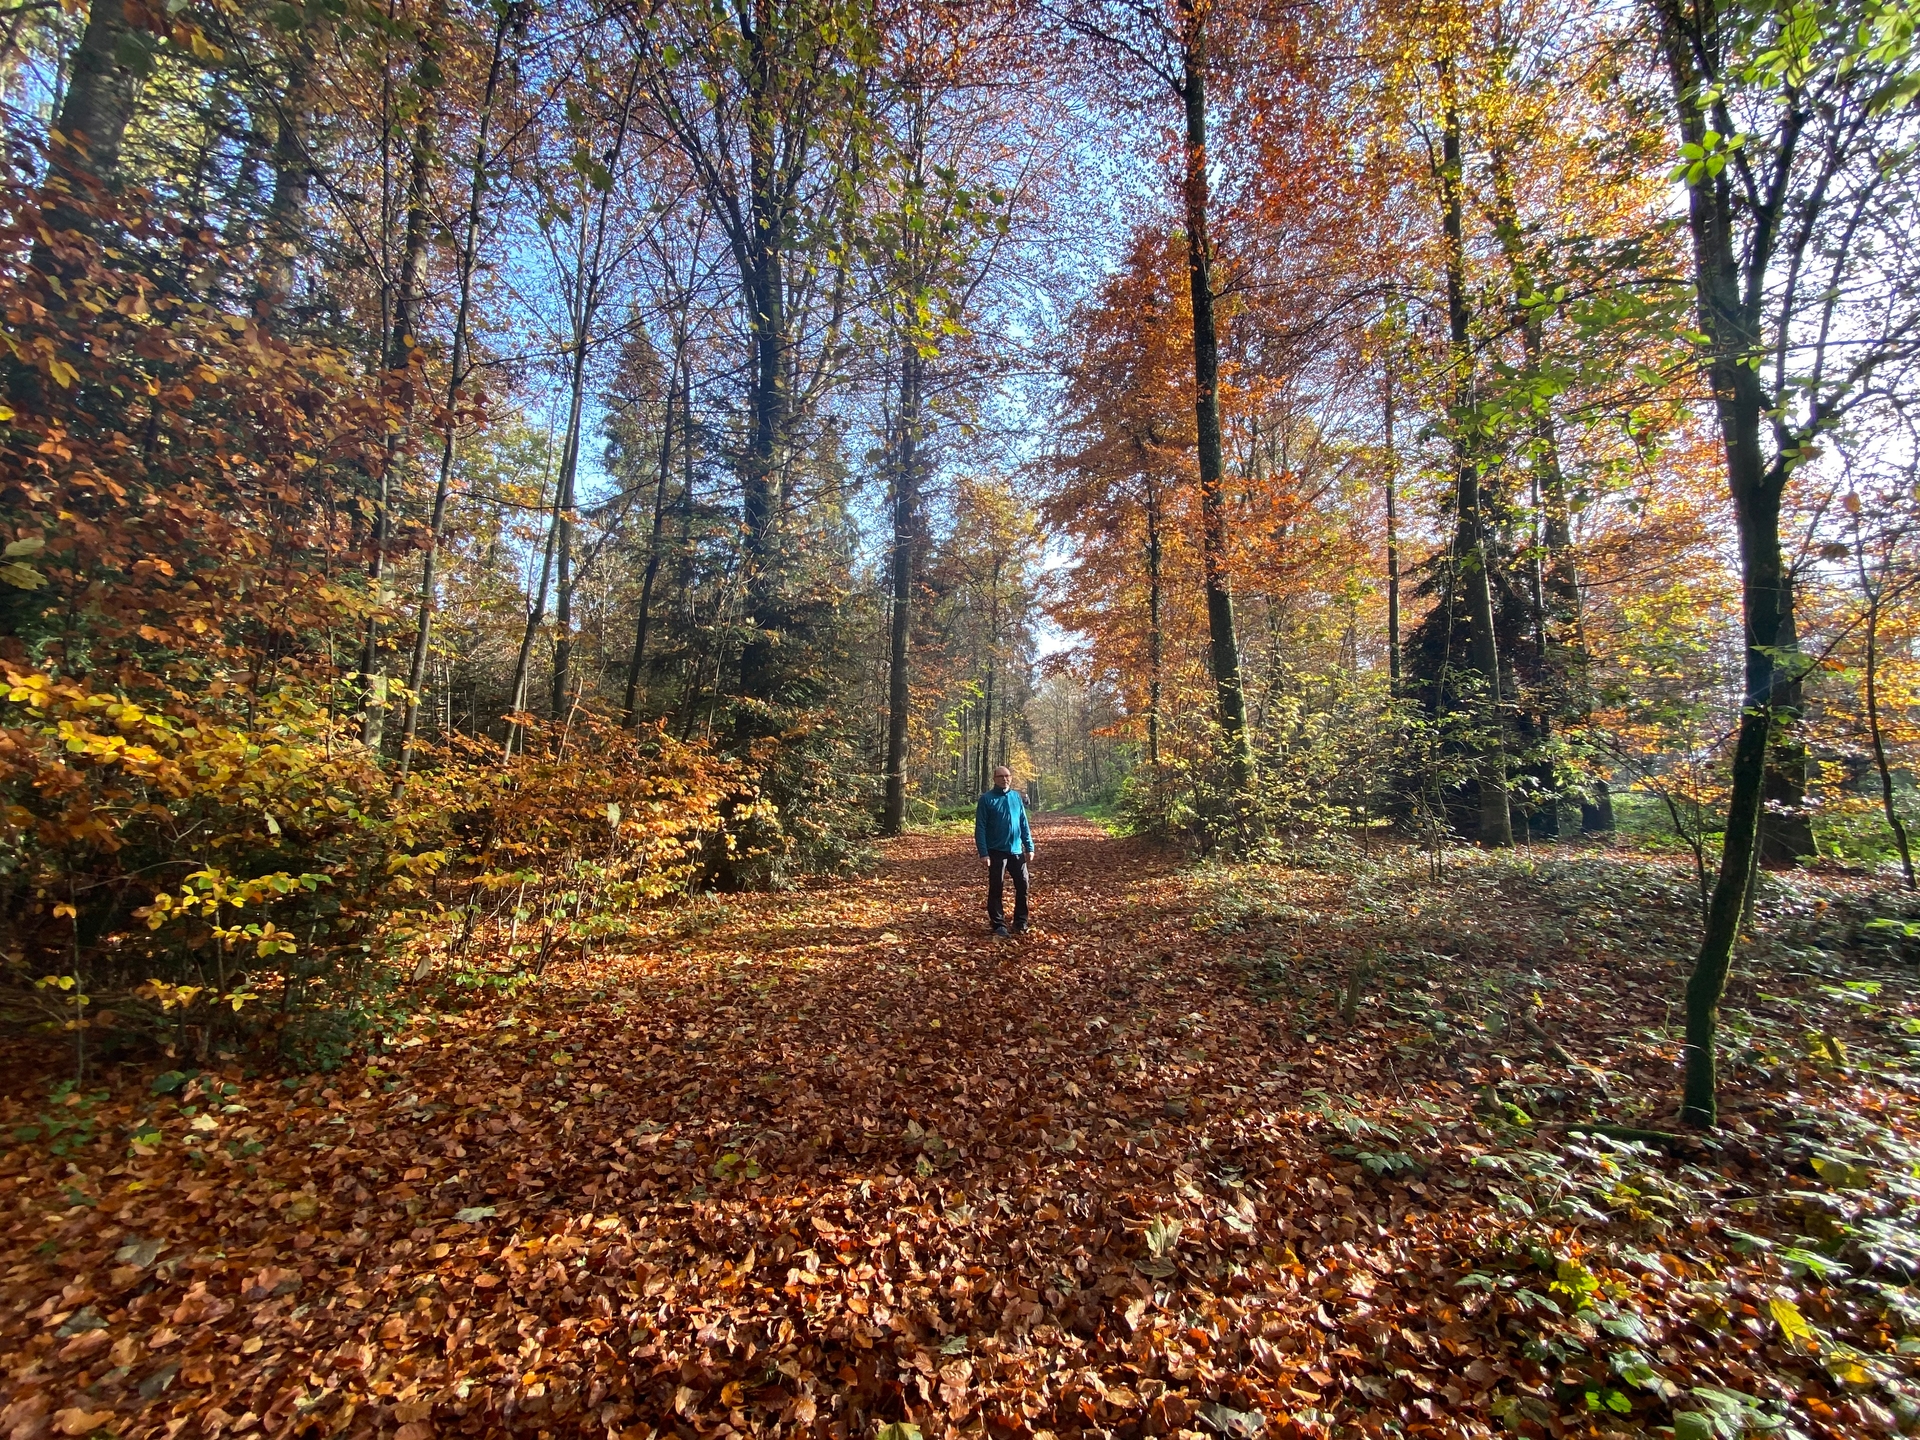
(1558, 627)
(95, 111)
(590, 254)
(1156, 639)
(292, 181)
(1756, 507)
(764, 281)
(906, 497)
(1223, 644)
(456, 381)
(562, 676)
(1730, 322)
(398, 359)
(1894, 822)
(1472, 553)
(536, 612)
(1786, 825)
(985, 774)
(1393, 543)
(637, 661)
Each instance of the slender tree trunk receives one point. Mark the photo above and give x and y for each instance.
(637, 661)
(1472, 553)
(536, 612)
(764, 282)
(456, 382)
(400, 343)
(1786, 824)
(589, 278)
(1894, 822)
(1730, 322)
(1156, 639)
(563, 533)
(1223, 644)
(906, 496)
(1393, 542)
(1765, 581)
(985, 772)
(562, 675)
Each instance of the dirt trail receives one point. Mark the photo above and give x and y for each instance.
(816, 1162)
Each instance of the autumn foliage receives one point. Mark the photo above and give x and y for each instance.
(200, 850)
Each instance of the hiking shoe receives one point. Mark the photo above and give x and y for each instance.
(1020, 927)
(1001, 931)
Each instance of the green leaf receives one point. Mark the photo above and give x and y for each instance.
(1842, 1174)
(1623, 1326)
(898, 1430)
(474, 1214)
(1813, 1262)
(135, 53)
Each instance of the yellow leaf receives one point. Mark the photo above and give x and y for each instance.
(1849, 1371)
(63, 374)
(1792, 1323)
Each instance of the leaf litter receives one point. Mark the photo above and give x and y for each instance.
(839, 1164)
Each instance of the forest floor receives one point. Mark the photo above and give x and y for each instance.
(1293, 1150)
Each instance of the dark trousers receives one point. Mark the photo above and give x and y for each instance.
(1000, 865)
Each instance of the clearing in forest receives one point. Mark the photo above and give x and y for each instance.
(1226, 1151)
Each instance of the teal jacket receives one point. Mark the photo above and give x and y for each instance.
(1000, 823)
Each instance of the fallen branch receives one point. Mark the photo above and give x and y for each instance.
(1538, 1031)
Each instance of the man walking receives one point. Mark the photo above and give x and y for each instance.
(1001, 836)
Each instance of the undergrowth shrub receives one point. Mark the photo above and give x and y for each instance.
(192, 884)
(198, 851)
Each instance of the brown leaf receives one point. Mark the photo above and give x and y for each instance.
(78, 1421)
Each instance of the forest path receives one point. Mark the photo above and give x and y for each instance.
(821, 1159)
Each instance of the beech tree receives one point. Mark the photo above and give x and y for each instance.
(1173, 48)
(1791, 123)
